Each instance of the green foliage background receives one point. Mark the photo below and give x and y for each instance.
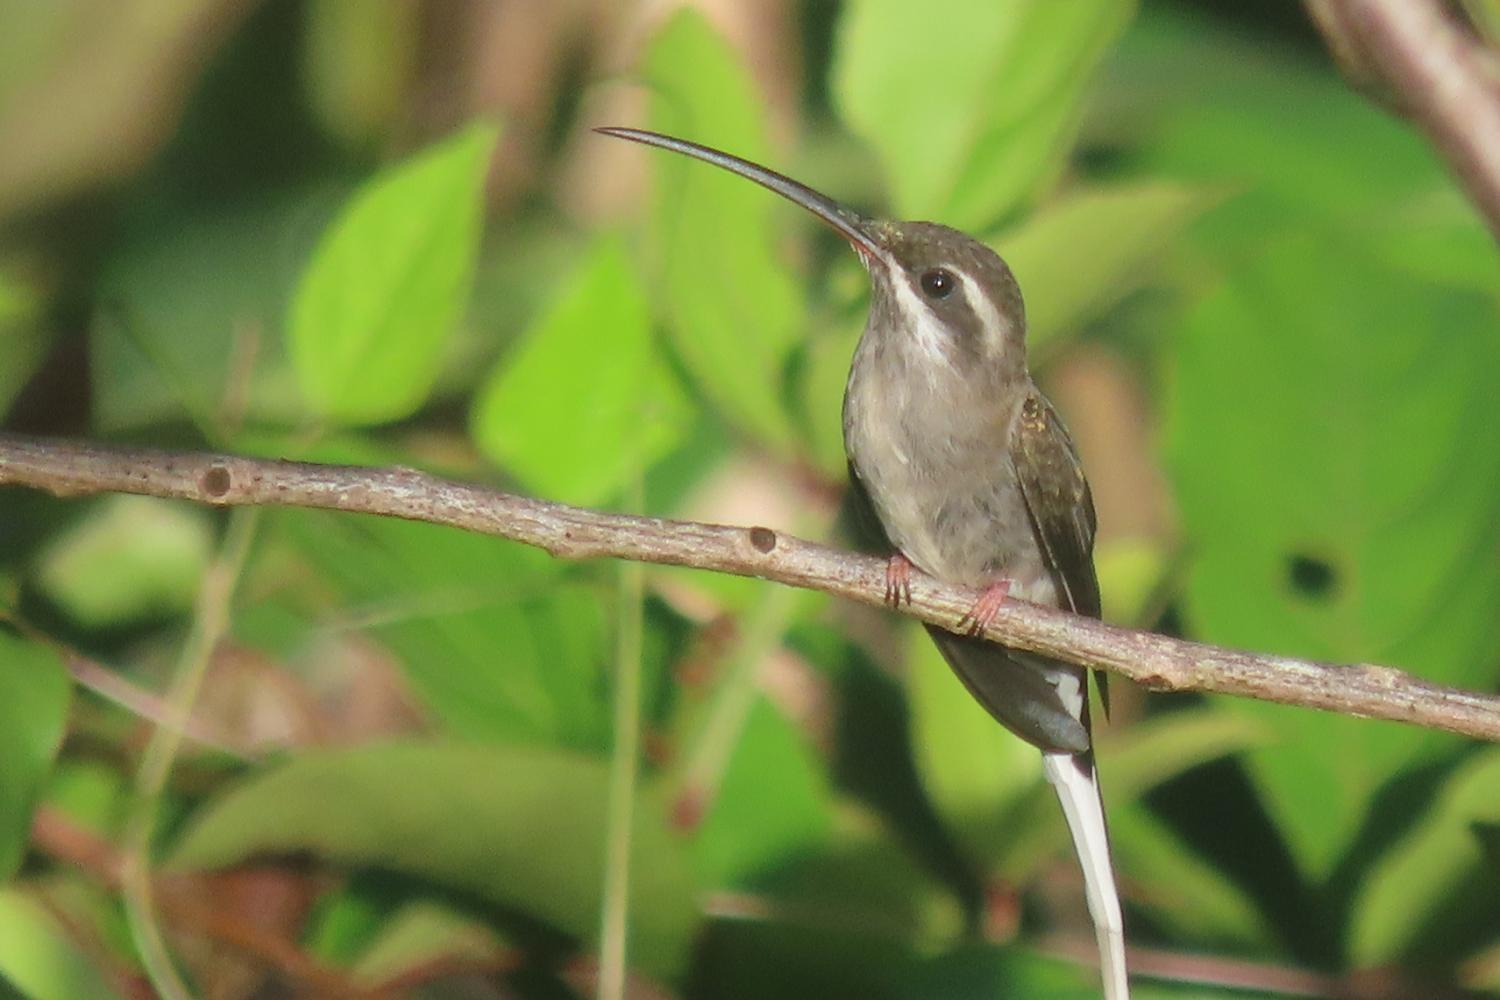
(1269, 315)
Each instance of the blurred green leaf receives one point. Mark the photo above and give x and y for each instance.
(1182, 891)
(733, 310)
(862, 879)
(389, 283)
(40, 953)
(190, 310)
(1293, 143)
(1084, 253)
(1488, 836)
(1337, 459)
(357, 62)
(1429, 867)
(422, 933)
(130, 558)
(973, 768)
(582, 400)
(90, 792)
(824, 374)
(1143, 757)
(23, 339)
(1485, 16)
(519, 826)
(492, 640)
(1131, 571)
(972, 109)
(772, 804)
(34, 695)
(984, 971)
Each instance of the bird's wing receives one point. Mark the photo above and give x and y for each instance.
(1060, 505)
(1062, 515)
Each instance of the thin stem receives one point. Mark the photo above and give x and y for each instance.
(210, 623)
(623, 767)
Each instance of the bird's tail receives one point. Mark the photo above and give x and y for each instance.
(1077, 785)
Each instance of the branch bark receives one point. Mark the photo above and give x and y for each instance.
(1434, 72)
(67, 468)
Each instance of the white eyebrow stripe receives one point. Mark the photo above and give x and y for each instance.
(989, 316)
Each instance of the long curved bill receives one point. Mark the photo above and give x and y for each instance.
(858, 230)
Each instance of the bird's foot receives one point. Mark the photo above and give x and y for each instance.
(985, 609)
(898, 580)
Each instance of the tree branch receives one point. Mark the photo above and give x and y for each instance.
(1435, 73)
(68, 468)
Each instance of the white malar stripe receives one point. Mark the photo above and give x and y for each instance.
(927, 331)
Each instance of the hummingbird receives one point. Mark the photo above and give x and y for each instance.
(971, 478)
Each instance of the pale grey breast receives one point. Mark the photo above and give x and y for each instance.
(942, 486)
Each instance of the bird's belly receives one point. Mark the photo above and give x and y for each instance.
(953, 507)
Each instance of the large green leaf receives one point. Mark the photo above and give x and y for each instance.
(771, 806)
(1430, 867)
(389, 283)
(972, 106)
(492, 641)
(1081, 255)
(522, 827)
(1337, 458)
(583, 401)
(733, 310)
(34, 694)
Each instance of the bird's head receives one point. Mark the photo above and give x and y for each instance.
(934, 288)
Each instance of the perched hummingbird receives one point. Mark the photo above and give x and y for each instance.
(973, 479)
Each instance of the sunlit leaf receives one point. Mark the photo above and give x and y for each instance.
(389, 282)
(34, 694)
(972, 108)
(521, 827)
(583, 399)
(1337, 460)
(732, 308)
(41, 954)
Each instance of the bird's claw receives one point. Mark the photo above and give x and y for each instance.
(978, 618)
(898, 581)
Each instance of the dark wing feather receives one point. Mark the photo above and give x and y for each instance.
(1061, 508)
(858, 521)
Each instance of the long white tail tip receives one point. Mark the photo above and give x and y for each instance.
(1077, 789)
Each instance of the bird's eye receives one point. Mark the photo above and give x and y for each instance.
(937, 283)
